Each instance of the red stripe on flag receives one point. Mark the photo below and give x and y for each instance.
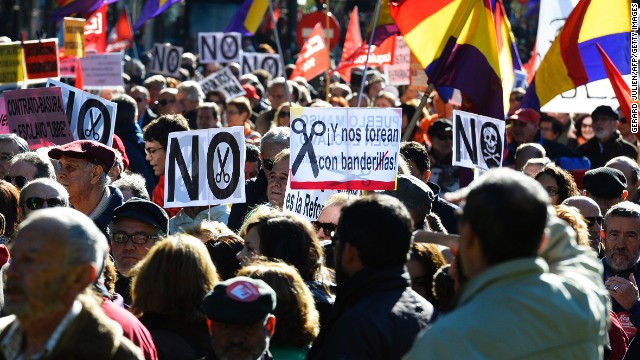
(569, 43)
(345, 185)
(497, 21)
(413, 12)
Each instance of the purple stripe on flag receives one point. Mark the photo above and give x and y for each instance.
(152, 9)
(75, 7)
(237, 22)
(530, 99)
(382, 32)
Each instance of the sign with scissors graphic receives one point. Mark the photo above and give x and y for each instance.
(340, 148)
(90, 117)
(205, 167)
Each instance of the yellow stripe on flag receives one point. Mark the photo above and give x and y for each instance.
(605, 17)
(256, 14)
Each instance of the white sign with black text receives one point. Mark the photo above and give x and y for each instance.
(101, 70)
(205, 167)
(220, 47)
(478, 141)
(223, 81)
(166, 60)
(255, 61)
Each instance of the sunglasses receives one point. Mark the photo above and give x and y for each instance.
(283, 114)
(591, 220)
(19, 181)
(164, 102)
(327, 228)
(35, 203)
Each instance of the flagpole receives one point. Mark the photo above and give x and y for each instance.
(326, 41)
(277, 36)
(133, 37)
(408, 131)
(366, 64)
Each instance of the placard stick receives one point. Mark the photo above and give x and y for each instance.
(366, 64)
(326, 41)
(416, 116)
(277, 36)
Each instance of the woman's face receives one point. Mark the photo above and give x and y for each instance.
(551, 186)
(382, 103)
(251, 248)
(587, 128)
(234, 116)
(284, 116)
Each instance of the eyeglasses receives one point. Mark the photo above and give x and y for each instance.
(19, 181)
(552, 191)
(35, 203)
(268, 164)
(283, 114)
(327, 228)
(593, 219)
(151, 151)
(136, 239)
(164, 102)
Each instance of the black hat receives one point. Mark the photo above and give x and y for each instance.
(604, 182)
(439, 126)
(240, 300)
(145, 211)
(604, 110)
(412, 192)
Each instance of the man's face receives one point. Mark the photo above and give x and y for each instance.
(154, 91)
(41, 191)
(591, 213)
(604, 127)
(523, 132)
(128, 254)
(205, 119)
(251, 169)
(269, 152)
(75, 176)
(36, 278)
(22, 169)
(632, 188)
(141, 101)
(277, 96)
(330, 215)
(622, 242)
(239, 342)
(277, 183)
(442, 144)
(167, 104)
(155, 155)
(7, 150)
(546, 130)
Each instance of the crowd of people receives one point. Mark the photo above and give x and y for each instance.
(535, 260)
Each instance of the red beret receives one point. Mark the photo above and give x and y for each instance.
(118, 145)
(89, 150)
(526, 116)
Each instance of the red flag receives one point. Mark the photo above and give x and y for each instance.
(380, 55)
(95, 33)
(79, 82)
(529, 67)
(314, 56)
(620, 87)
(352, 42)
(121, 36)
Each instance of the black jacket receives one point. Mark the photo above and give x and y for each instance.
(445, 210)
(133, 142)
(600, 153)
(256, 194)
(376, 316)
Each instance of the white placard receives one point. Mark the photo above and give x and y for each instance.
(102, 70)
(255, 61)
(90, 117)
(220, 47)
(478, 141)
(340, 148)
(205, 167)
(166, 60)
(225, 82)
(309, 203)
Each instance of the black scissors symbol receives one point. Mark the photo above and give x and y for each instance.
(91, 132)
(223, 175)
(317, 128)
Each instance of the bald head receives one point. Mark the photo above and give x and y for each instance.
(528, 151)
(589, 210)
(631, 172)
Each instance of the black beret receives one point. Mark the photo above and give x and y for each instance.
(145, 211)
(605, 183)
(240, 300)
(439, 127)
(412, 192)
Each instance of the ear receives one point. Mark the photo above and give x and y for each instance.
(95, 174)
(271, 324)
(81, 276)
(350, 259)
(427, 174)
(625, 193)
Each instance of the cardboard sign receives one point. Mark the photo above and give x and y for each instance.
(255, 61)
(309, 203)
(90, 117)
(220, 47)
(68, 67)
(4, 124)
(205, 167)
(74, 37)
(478, 141)
(102, 71)
(166, 60)
(345, 148)
(399, 72)
(37, 115)
(11, 70)
(41, 59)
(223, 81)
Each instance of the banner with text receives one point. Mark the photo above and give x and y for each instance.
(11, 70)
(205, 167)
(89, 117)
(37, 115)
(225, 82)
(74, 37)
(255, 61)
(399, 72)
(220, 47)
(41, 59)
(380, 55)
(4, 124)
(102, 70)
(338, 148)
(477, 141)
(309, 203)
(166, 60)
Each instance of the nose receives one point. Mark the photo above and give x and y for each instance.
(320, 234)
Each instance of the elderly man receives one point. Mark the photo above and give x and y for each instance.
(42, 193)
(538, 297)
(188, 98)
(137, 225)
(208, 116)
(607, 142)
(84, 165)
(241, 317)
(631, 172)
(28, 166)
(277, 96)
(376, 314)
(590, 211)
(606, 186)
(57, 255)
(622, 254)
(10, 145)
(140, 95)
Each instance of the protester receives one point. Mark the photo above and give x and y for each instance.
(558, 183)
(10, 145)
(592, 216)
(584, 128)
(631, 172)
(277, 95)
(188, 98)
(328, 219)
(526, 152)
(166, 102)
(140, 95)
(132, 185)
(208, 116)
(9, 200)
(606, 186)
(252, 161)
(238, 114)
(222, 243)
(424, 261)
(277, 179)
(29, 166)
(41, 194)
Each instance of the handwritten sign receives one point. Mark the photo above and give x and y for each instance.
(223, 81)
(220, 47)
(102, 71)
(10, 63)
(166, 60)
(37, 115)
(4, 124)
(90, 117)
(338, 148)
(74, 36)
(477, 141)
(399, 72)
(205, 167)
(41, 59)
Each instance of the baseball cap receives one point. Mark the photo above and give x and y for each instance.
(240, 300)
(526, 116)
(145, 211)
(90, 150)
(439, 127)
(251, 91)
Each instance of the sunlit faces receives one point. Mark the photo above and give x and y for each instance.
(128, 254)
(330, 215)
(604, 127)
(155, 155)
(587, 128)
(277, 182)
(622, 242)
(551, 186)
(76, 177)
(523, 132)
(251, 248)
(166, 103)
(205, 119)
(7, 150)
(235, 117)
